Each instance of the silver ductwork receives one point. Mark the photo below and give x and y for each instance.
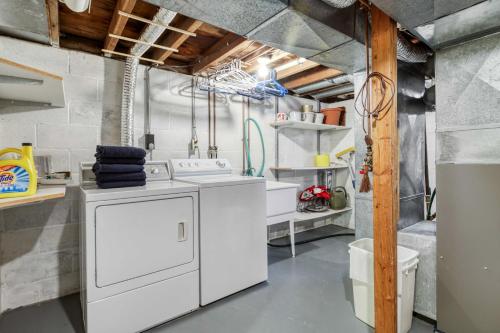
(25, 19)
(150, 35)
(409, 52)
(340, 3)
(310, 29)
(340, 79)
(337, 91)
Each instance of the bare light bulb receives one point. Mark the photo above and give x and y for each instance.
(263, 71)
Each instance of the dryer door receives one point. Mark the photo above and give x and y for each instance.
(139, 238)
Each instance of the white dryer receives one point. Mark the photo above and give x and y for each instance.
(139, 252)
(233, 235)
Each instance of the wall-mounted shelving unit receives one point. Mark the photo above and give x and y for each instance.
(22, 85)
(43, 193)
(306, 125)
(311, 168)
(306, 216)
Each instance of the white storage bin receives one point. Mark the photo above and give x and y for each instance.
(361, 274)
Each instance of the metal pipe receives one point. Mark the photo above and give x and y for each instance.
(349, 88)
(147, 108)
(340, 79)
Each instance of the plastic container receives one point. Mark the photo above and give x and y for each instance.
(308, 117)
(318, 118)
(322, 161)
(332, 115)
(295, 115)
(18, 176)
(361, 274)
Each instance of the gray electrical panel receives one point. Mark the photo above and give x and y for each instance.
(468, 248)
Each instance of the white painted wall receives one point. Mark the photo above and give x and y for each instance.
(39, 254)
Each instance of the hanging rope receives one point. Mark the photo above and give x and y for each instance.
(368, 113)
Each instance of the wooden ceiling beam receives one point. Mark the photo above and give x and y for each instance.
(53, 21)
(118, 22)
(313, 75)
(295, 69)
(175, 39)
(224, 48)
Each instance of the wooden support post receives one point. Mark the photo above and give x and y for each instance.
(385, 176)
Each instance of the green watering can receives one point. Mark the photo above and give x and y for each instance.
(338, 198)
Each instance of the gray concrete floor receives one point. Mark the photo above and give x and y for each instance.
(309, 293)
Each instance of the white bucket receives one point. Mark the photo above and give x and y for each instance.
(361, 274)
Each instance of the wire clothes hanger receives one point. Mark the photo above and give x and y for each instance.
(231, 79)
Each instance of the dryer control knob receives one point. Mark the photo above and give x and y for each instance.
(155, 171)
(221, 164)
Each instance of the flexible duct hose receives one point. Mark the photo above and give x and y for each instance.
(250, 169)
(340, 3)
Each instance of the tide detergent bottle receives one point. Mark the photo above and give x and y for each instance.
(18, 177)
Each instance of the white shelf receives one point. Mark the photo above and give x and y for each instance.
(305, 216)
(333, 167)
(306, 125)
(28, 86)
(43, 193)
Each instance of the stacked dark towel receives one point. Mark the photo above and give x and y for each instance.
(119, 166)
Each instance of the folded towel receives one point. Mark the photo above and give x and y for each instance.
(114, 177)
(119, 152)
(118, 184)
(99, 168)
(117, 160)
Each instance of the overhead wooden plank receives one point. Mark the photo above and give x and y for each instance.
(224, 48)
(118, 22)
(295, 69)
(174, 39)
(53, 21)
(385, 176)
(311, 76)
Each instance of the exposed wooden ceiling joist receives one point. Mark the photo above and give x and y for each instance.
(175, 39)
(118, 22)
(295, 68)
(313, 75)
(224, 48)
(53, 21)
(276, 56)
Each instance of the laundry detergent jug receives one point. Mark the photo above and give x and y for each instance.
(18, 176)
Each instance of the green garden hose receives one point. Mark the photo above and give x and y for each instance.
(250, 169)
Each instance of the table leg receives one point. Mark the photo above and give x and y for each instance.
(292, 236)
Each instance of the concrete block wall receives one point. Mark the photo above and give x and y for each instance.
(39, 248)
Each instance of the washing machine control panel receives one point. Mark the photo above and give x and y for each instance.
(156, 170)
(200, 167)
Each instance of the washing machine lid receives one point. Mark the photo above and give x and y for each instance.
(152, 188)
(221, 180)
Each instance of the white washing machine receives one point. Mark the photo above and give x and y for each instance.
(139, 252)
(233, 237)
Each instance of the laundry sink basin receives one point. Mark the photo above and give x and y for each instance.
(281, 198)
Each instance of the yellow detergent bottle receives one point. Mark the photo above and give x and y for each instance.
(18, 176)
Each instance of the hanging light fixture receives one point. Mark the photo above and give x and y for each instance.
(263, 70)
(78, 5)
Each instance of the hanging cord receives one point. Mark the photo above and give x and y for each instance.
(371, 113)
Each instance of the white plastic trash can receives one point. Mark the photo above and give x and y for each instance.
(361, 274)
